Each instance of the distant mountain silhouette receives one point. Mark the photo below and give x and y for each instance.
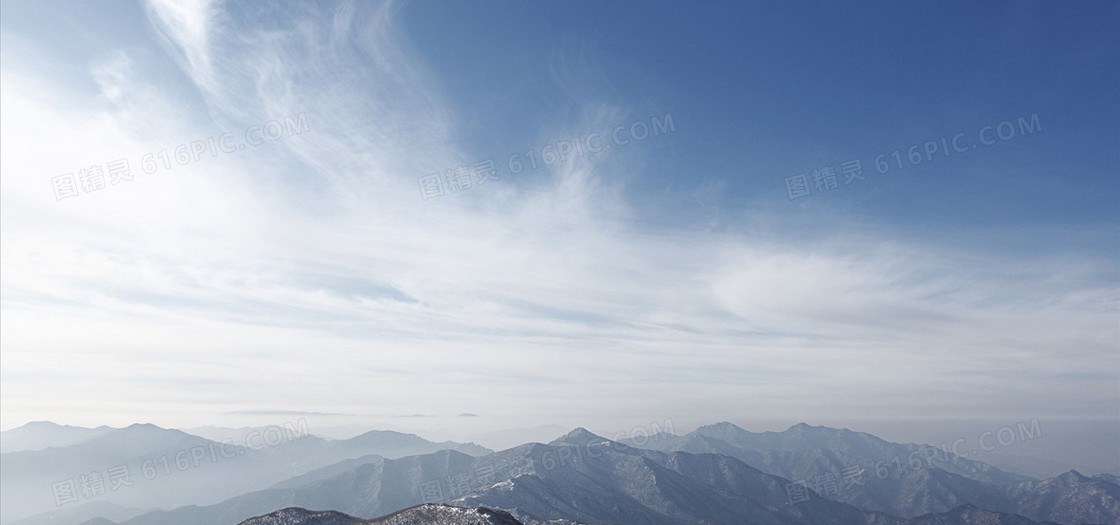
(905, 480)
(717, 474)
(167, 468)
(39, 435)
(579, 476)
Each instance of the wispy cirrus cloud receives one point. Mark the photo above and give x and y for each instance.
(307, 276)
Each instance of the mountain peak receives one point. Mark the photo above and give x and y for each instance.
(723, 430)
(388, 437)
(45, 425)
(578, 436)
(725, 425)
(580, 432)
(806, 429)
(142, 429)
(49, 424)
(147, 426)
(1073, 475)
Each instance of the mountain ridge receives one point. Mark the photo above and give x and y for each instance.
(719, 473)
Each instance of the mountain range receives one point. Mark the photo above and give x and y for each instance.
(904, 480)
(443, 514)
(716, 474)
(39, 435)
(124, 471)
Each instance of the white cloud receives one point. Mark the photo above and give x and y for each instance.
(307, 274)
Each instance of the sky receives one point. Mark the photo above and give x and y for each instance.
(446, 215)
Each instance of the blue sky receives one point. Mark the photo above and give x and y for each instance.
(671, 277)
(769, 90)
